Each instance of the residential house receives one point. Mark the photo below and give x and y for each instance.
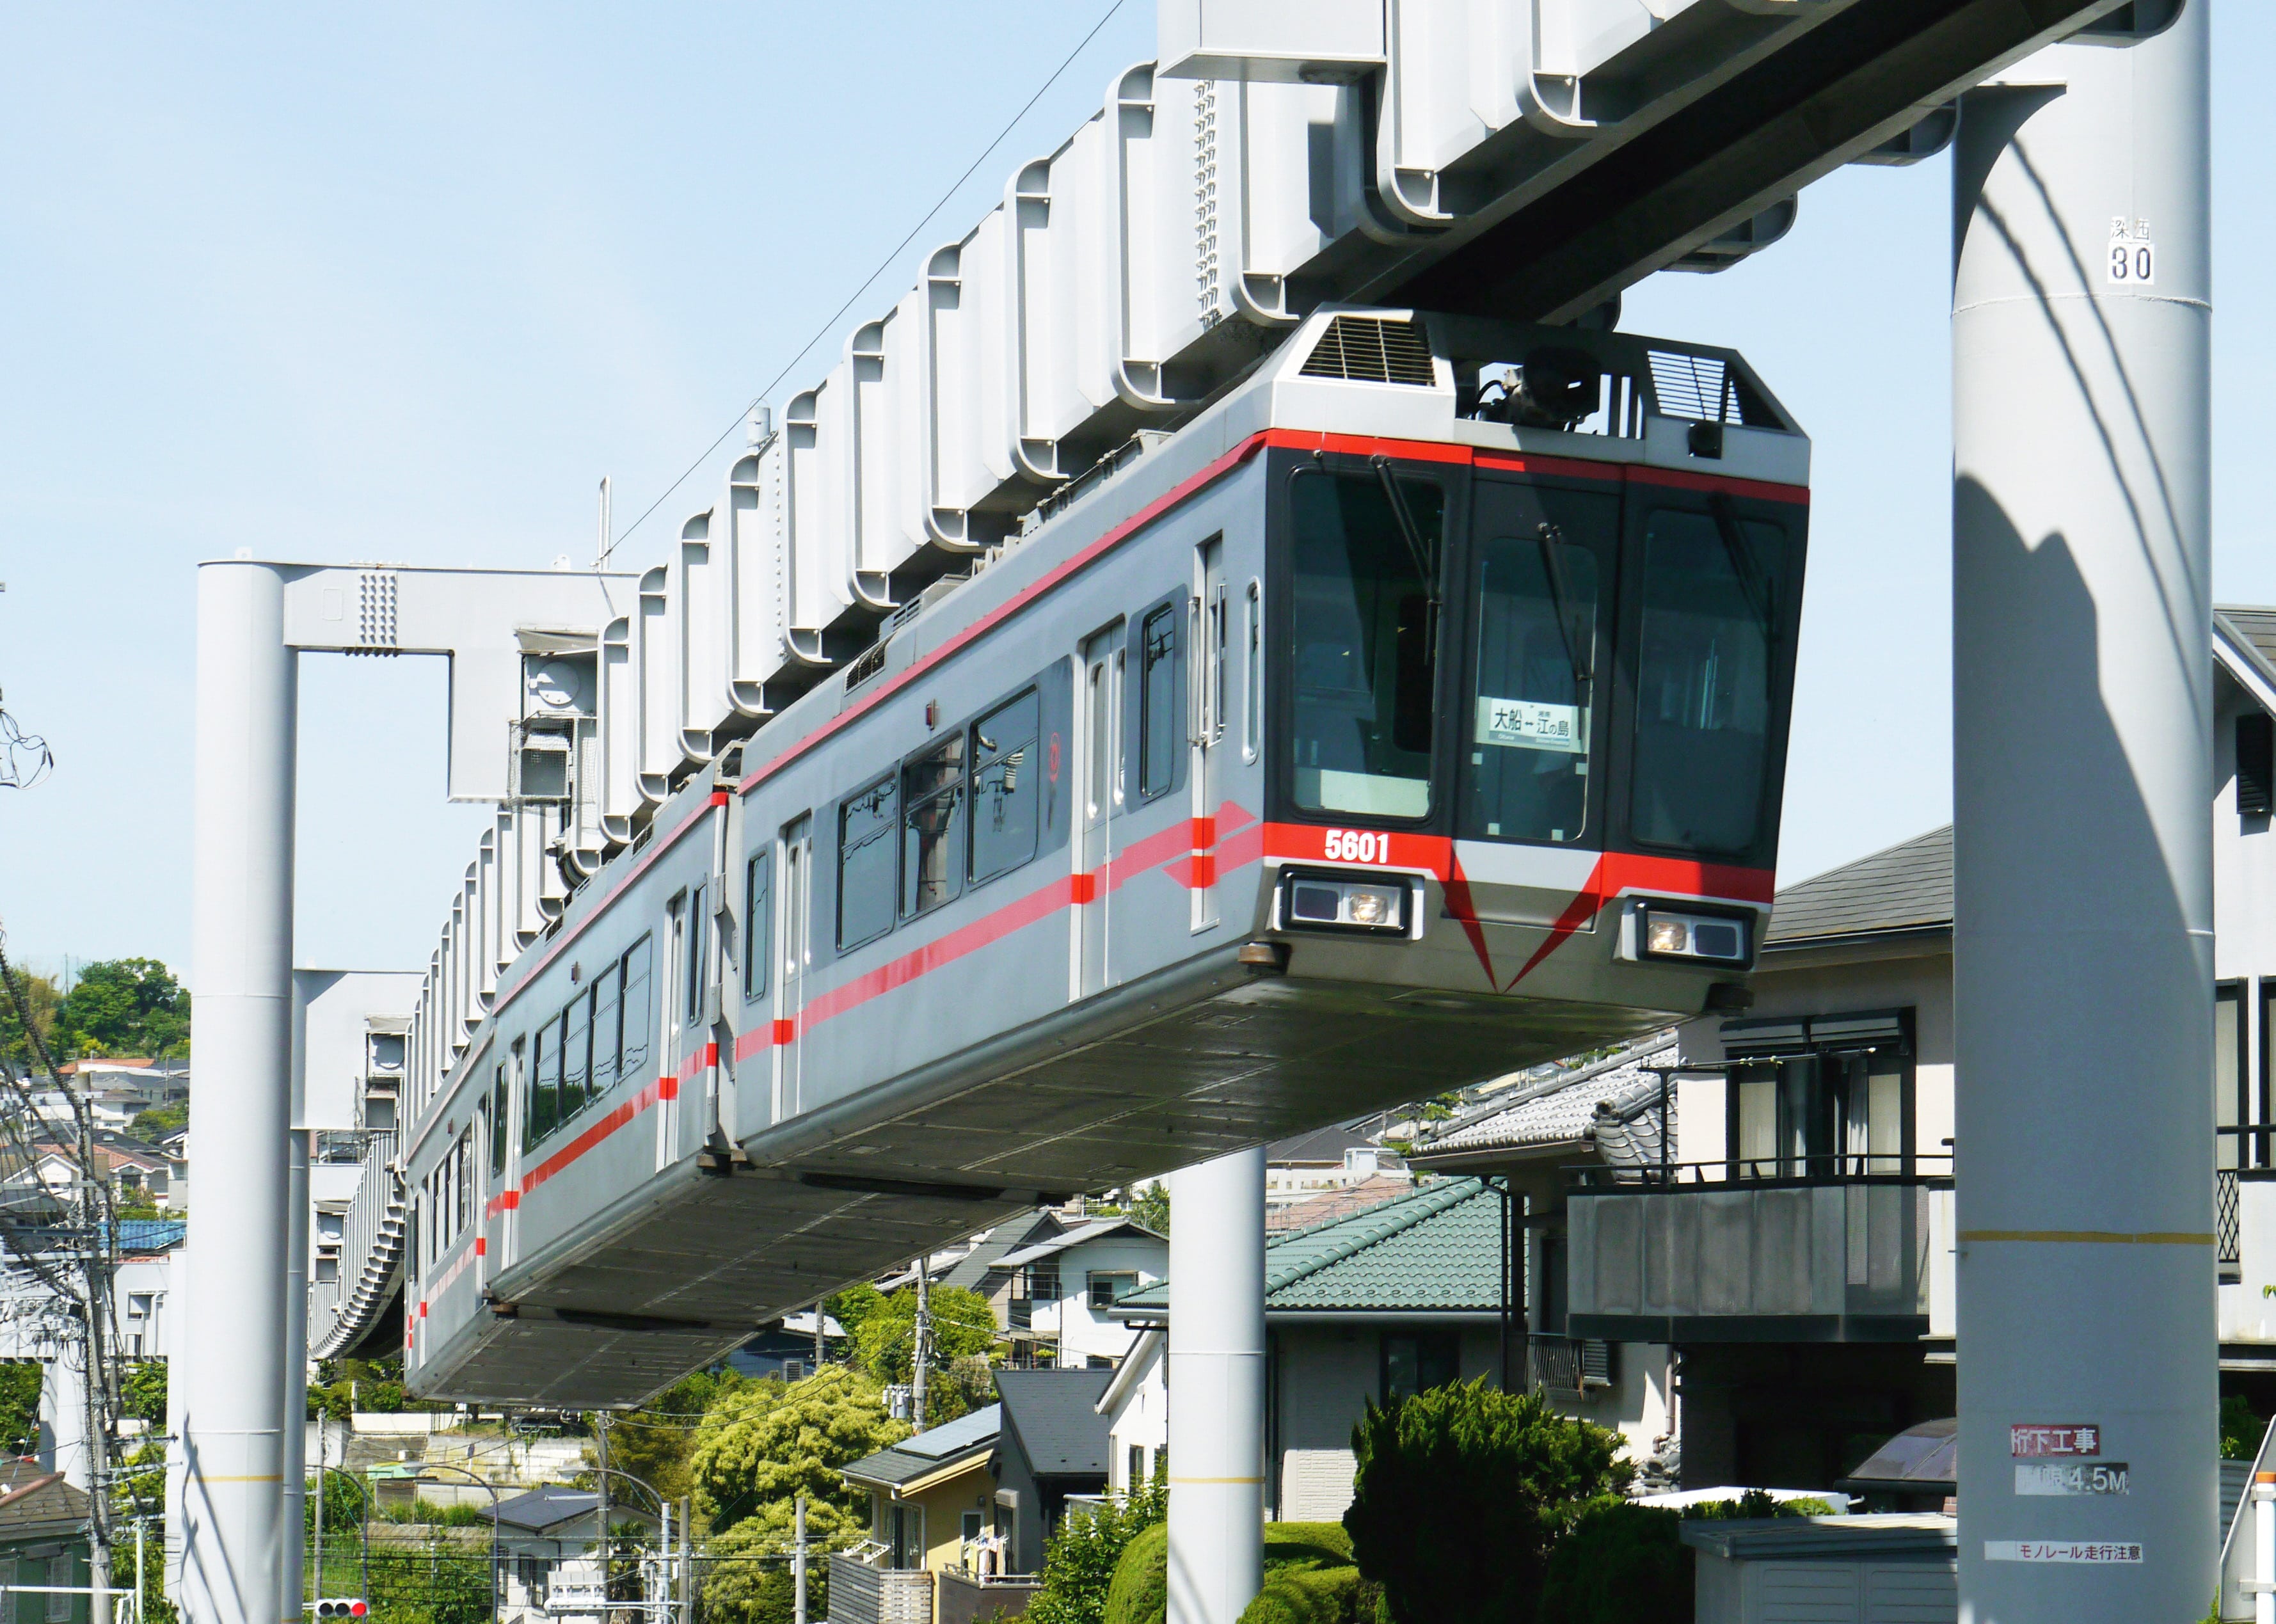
(43, 1541)
(142, 1292)
(1532, 1138)
(1793, 1246)
(1338, 1203)
(1328, 1158)
(931, 1496)
(786, 1350)
(1062, 1290)
(1378, 1303)
(1052, 1441)
(119, 1090)
(546, 1540)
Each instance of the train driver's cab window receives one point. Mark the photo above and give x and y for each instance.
(867, 825)
(1365, 565)
(1540, 581)
(1713, 587)
(1007, 794)
(932, 827)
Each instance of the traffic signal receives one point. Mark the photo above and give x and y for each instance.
(342, 1607)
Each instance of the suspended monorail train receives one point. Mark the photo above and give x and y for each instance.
(1415, 713)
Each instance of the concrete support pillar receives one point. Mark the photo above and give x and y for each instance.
(234, 1353)
(2082, 778)
(1216, 1388)
(292, 1417)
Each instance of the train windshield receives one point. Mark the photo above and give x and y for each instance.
(1365, 569)
(1541, 584)
(1713, 588)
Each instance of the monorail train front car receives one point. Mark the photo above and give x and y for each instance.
(1416, 713)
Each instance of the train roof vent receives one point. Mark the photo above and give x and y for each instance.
(1370, 349)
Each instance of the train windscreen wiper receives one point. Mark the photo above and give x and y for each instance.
(1426, 568)
(1552, 566)
(1754, 584)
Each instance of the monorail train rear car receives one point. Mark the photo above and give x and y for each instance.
(1416, 713)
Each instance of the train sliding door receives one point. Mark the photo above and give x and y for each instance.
(1102, 798)
(795, 937)
(1537, 604)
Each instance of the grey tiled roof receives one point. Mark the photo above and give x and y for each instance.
(2257, 627)
(1097, 1229)
(1054, 1416)
(1907, 887)
(926, 1451)
(1563, 1109)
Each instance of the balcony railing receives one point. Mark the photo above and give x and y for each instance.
(867, 1592)
(1690, 1252)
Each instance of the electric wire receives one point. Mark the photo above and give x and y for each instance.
(884, 265)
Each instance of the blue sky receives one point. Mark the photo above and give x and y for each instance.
(404, 283)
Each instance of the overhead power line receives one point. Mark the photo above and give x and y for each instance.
(884, 265)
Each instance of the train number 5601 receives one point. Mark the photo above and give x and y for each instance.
(1358, 845)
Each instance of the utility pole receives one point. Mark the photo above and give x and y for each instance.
(798, 1561)
(923, 1354)
(320, 1452)
(601, 1429)
(820, 1346)
(686, 1561)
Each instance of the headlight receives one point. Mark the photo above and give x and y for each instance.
(1715, 938)
(1325, 902)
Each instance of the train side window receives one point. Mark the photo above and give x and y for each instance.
(576, 1054)
(1363, 659)
(608, 1027)
(636, 1012)
(758, 900)
(1006, 793)
(867, 825)
(1159, 743)
(501, 1114)
(932, 827)
(539, 1115)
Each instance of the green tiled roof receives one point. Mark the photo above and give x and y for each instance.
(1435, 1250)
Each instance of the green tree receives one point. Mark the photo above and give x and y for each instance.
(19, 1405)
(749, 1581)
(125, 1006)
(155, 1124)
(1080, 1559)
(1152, 1207)
(884, 1346)
(41, 998)
(142, 1390)
(1619, 1563)
(2241, 1430)
(1462, 1491)
(653, 1442)
(762, 1442)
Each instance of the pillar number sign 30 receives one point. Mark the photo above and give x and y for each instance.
(2132, 258)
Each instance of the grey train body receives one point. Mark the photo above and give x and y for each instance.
(1008, 908)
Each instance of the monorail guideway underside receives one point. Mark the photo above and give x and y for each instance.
(1418, 714)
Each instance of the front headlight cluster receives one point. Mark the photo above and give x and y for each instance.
(1712, 937)
(1317, 902)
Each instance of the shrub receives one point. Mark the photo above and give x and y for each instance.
(1080, 1562)
(1140, 1593)
(2240, 1429)
(1758, 1503)
(1460, 1492)
(1309, 1595)
(1619, 1564)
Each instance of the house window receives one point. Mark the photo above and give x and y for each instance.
(1107, 1288)
(1097, 1361)
(1134, 1473)
(1417, 1360)
(906, 1536)
(867, 825)
(328, 1271)
(2255, 765)
(1043, 1282)
(1836, 1103)
(59, 1602)
(2232, 1045)
(972, 1526)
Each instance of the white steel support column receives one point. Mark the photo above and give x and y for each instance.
(2082, 777)
(1216, 1388)
(235, 1348)
(293, 1412)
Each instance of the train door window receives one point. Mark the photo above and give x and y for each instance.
(2231, 1044)
(675, 959)
(1252, 673)
(1158, 742)
(500, 1114)
(1363, 576)
(608, 1027)
(576, 1054)
(758, 904)
(867, 830)
(636, 1014)
(463, 1176)
(1540, 584)
(1711, 593)
(1007, 792)
(1215, 617)
(932, 827)
(699, 956)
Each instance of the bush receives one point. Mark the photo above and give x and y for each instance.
(1619, 1564)
(1310, 1595)
(1460, 1492)
(1140, 1593)
(1758, 1503)
(2241, 1430)
(1085, 1551)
